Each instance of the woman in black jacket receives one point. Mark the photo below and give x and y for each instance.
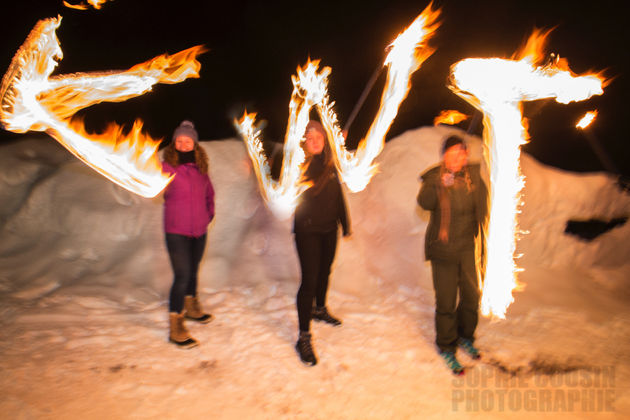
(321, 210)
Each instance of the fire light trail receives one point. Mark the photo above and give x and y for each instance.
(449, 117)
(33, 100)
(408, 51)
(310, 88)
(97, 4)
(587, 119)
(497, 87)
(282, 195)
(584, 124)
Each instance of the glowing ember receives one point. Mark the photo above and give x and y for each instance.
(33, 100)
(310, 88)
(83, 6)
(586, 120)
(498, 87)
(449, 117)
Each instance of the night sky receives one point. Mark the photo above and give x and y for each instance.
(255, 47)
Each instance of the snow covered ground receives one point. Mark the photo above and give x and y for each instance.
(84, 277)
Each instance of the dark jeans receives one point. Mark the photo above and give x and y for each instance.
(185, 253)
(316, 252)
(454, 320)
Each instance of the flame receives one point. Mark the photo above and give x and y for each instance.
(450, 117)
(587, 119)
(32, 99)
(97, 4)
(408, 51)
(310, 88)
(282, 195)
(497, 87)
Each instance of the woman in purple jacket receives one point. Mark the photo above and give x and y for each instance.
(188, 210)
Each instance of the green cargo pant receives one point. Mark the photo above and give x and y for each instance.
(452, 319)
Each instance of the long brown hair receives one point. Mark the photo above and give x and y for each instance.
(201, 157)
(319, 181)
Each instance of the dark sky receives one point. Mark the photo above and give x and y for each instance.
(255, 47)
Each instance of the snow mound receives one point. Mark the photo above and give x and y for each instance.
(65, 227)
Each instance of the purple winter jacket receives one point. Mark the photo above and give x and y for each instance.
(188, 201)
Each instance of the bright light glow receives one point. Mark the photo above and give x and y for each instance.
(408, 51)
(282, 195)
(97, 4)
(33, 100)
(450, 117)
(497, 87)
(310, 88)
(587, 119)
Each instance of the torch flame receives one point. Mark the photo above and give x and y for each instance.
(32, 99)
(282, 195)
(310, 88)
(97, 4)
(450, 117)
(587, 119)
(497, 87)
(408, 51)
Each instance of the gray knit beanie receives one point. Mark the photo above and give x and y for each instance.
(186, 128)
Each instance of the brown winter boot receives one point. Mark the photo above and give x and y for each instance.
(192, 310)
(178, 333)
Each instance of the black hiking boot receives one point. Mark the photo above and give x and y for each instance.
(320, 313)
(305, 349)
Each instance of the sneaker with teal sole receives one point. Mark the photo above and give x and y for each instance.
(469, 348)
(452, 363)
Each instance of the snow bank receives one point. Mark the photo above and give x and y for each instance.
(64, 226)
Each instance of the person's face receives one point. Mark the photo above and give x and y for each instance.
(314, 142)
(184, 144)
(455, 157)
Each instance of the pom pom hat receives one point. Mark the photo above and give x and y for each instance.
(186, 128)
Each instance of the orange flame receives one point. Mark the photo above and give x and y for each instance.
(310, 88)
(408, 51)
(497, 87)
(587, 119)
(450, 117)
(282, 195)
(97, 4)
(34, 100)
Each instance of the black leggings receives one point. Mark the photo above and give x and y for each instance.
(316, 252)
(185, 253)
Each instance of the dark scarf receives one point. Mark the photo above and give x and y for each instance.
(318, 171)
(185, 157)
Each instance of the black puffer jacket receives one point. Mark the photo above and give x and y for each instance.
(322, 207)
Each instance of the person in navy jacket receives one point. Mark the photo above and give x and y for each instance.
(188, 210)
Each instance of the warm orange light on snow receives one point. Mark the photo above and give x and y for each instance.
(587, 119)
(497, 87)
(310, 88)
(33, 100)
(450, 117)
